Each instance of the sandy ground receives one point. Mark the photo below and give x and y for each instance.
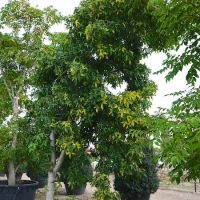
(174, 195)
(161, 194)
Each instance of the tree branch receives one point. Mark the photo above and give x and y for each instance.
(53, 148)
(17, 167)
(59, 162)
(12, 91)
(8, 89)
(19, 90)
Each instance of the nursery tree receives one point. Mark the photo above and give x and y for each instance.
(73, 104)
(178, 136)
(104, 45)
(28, 27)
(178, 22)
(139, 186)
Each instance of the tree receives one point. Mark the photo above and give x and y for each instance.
(178, 129)
(71, 99)
(104, 45)
(139, 186)
(18, 53)
(178, 23)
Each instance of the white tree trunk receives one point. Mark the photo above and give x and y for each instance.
(11, 166)
(11, 174)
(51, 186)
(51, 175)
(54, 169)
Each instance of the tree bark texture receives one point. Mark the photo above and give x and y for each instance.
(54, 169)
(11, 166)
(51, 185)
(11, 174)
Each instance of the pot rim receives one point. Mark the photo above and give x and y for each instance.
(24, 184)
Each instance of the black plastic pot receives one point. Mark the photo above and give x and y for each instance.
(24, 191)
(42, 182)
(76, 191)
(2, 174)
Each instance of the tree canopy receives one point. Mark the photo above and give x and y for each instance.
(74, 101)
(178, 136)
(104, 45)
(178, 128)
(28, 28)
(178, 23)
(111, 36)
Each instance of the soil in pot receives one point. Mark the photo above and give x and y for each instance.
(23, 191)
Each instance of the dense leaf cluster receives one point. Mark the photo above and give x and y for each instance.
(178, 129)
(178, 22)
(139, 185)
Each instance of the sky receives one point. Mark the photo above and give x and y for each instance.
(154, 61)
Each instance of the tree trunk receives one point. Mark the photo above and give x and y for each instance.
(11, 166)
(51, 174)
(51, 186)
(11, 174)
(15, 107)
(54, 169)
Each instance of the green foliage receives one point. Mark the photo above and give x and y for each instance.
(111, 36)
(37, 162)
(105, 44)
(102, 183)
(178, 24)
(19, 155)
(77, 171)
(178, 130)
(18, 57)
(37, 171)
(140, 183)
(32, 22)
